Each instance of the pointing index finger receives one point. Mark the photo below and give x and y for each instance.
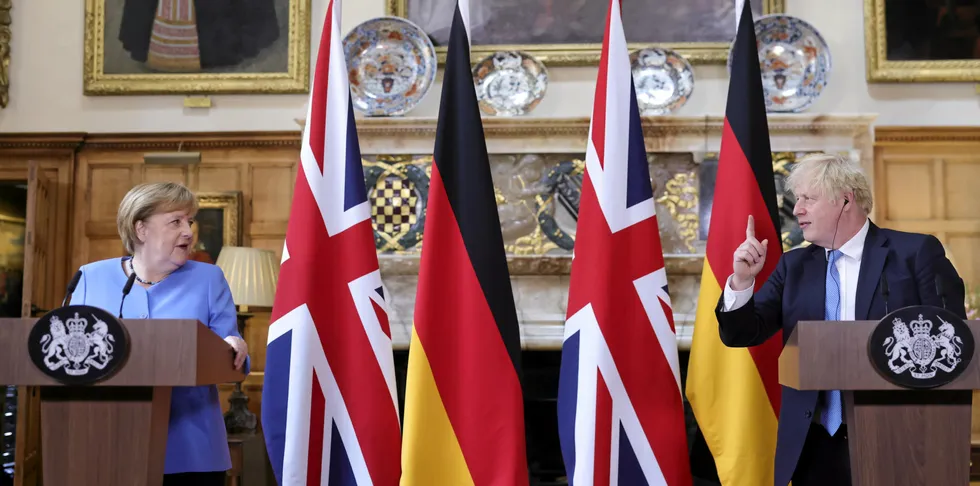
(750, 228)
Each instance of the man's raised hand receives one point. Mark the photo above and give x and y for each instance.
(749, 258)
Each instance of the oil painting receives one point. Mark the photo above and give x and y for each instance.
(191, 46)
(932, 30)
(571, 31)
(922, 40)
(218, 223)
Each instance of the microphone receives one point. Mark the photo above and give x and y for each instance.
(884, 292)
(126, 289)
(940, 290)
(71, 287)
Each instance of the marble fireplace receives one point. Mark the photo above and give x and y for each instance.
(537, 166)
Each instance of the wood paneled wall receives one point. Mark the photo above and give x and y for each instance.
(927, 180)
(262, 166)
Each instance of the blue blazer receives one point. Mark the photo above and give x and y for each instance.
(196, 438)
(795, 291)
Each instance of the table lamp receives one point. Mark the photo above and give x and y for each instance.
(251, 273)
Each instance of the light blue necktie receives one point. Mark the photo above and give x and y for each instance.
(831, 414)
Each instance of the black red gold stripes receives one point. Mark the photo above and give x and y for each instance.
(464, 412)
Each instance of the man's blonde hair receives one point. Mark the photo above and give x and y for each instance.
(831, 175)
(148, 199)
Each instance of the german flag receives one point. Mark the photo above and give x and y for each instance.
(464, 408)
(735, 393)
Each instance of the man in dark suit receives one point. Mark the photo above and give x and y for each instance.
(836, 277)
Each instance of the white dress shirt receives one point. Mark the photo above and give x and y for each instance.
(848, 265)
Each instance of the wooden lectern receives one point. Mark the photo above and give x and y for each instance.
(897, 436)
(115, 431)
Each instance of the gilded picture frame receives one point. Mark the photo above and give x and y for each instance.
(217, 224)
(587, 53)
(5, 35)
(924, 55)
(268, 51)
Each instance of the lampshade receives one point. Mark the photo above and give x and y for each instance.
(251, 274)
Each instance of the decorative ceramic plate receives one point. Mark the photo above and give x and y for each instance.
(794, 60)
(509, 83)
(391, 64)
(664, 80)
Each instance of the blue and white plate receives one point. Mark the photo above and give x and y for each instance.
(664, 80)
(509, 83)
(391, 64)
(794, 60)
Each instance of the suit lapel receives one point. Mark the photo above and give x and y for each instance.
(872, 263)
(815, 270)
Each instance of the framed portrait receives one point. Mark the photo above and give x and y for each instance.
(196, 47)
(570, 32)
(218, 223)
(922, 40)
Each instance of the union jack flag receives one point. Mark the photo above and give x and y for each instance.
(329, 410)
(620, 410)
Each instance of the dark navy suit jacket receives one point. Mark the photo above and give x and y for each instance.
(795, 291)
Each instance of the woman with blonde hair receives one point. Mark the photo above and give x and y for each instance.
(154, 222)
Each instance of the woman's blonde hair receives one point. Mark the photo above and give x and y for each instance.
(831, 175)
(148, 199)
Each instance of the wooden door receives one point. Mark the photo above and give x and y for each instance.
(39, 195)
(27, 451)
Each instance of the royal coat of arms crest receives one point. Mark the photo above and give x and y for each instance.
(78, 344)
(77, 350)
(920, 352)
(921, 346)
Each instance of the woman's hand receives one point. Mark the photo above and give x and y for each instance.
(241, 350)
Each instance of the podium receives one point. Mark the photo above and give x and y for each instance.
(899, 432)
(113, 431)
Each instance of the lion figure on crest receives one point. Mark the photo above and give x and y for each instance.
(53, 345)
(898, 347)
